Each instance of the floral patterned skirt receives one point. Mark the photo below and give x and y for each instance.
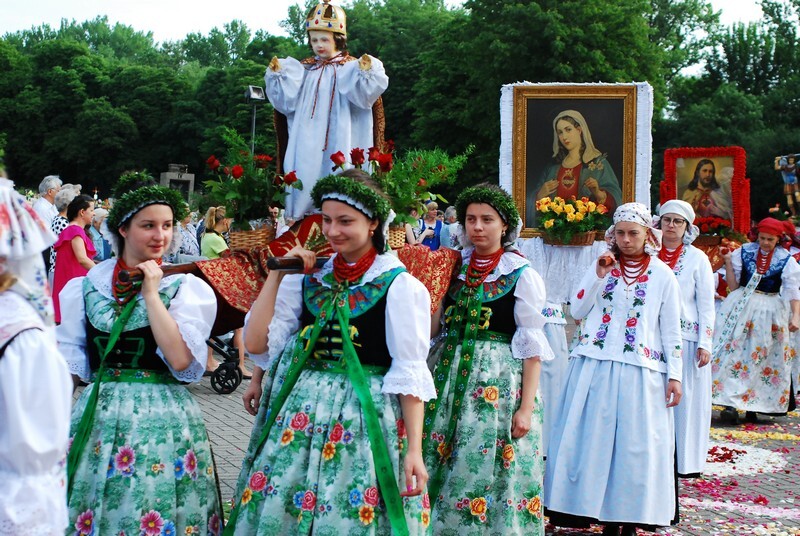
(315, 472)
(492, 484)
(147, 467)
(753, 370)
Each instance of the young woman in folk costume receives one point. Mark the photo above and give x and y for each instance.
(341, 431)
(327, 100)
(611, 453)
(35, 387)
(483, 432)
(697, 284)
(752, 357)
(140, 460)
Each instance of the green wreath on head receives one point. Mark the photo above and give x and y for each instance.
(136, 190)
(491, 195)
(344, 189)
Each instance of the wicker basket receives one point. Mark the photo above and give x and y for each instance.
(397, 236)
(707, 240)
(578, 239)
(257, 238)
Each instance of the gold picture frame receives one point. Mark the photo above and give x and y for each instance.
(609, 112)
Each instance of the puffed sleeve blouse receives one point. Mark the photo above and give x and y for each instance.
(407, 326)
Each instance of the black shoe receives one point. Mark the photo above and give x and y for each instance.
(751, 416)
(729, 415)
(610, 530)
(628, 530)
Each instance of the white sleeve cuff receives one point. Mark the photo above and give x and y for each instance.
(194, 309)
(530, 342)
(407, 377)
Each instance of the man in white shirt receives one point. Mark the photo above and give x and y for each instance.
(45, 206)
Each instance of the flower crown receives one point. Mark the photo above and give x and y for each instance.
(357, 195)
(136, 190)
(491, 195)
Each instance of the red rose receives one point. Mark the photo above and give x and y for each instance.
(704, 228)
(262, 160)
(631, 322)
(615, 272)
(210, 160)
(643, 279)
(213, 163)
(237, 171)
(337, 432)
(385, 161)
(373, 153)
(401, 428)
(338, 160)
(258, 481)
(309, 501)
(581, 292)
(299, 421)
(226, 170)
(606, 318)
(422, 182)
(290, 178)
(371, 496)
(357, 156)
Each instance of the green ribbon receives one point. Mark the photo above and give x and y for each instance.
(467, 312)
(349, 364)
(84, 427)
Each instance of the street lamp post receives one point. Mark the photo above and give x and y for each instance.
(254, 95)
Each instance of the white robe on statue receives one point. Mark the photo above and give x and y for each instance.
(693, 414)
(329, 109)
(611, 452)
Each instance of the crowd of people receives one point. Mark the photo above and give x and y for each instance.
(370, 411)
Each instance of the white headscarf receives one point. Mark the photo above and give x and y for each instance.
(23, 237)
(636, 213)
(685, 210)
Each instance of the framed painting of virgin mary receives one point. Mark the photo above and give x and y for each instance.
(573, 140)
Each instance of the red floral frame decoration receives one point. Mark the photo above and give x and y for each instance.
(740, 186)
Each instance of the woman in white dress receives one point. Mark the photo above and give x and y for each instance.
(696, 280)
(35, 387)
(611, 453)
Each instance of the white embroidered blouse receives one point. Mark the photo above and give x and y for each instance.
(639, 324)
(194, 309)
(529, 340)
(697, 285)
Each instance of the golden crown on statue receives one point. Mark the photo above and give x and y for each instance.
(327, 17)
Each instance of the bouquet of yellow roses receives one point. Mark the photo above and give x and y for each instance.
(562, 219)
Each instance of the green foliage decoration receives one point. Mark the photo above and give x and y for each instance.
(246, 184)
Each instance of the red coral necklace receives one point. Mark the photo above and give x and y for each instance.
(353, 272)
(670, 258)
(633, 267)
(480, 266)
(763, 261)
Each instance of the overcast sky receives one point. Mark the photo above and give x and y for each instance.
(170, 20)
